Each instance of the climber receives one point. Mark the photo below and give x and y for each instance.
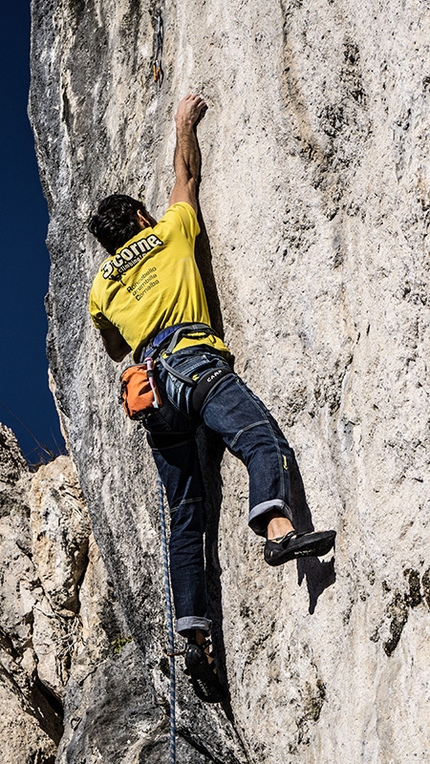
(147, 298)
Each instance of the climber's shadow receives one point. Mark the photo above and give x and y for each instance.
(204, 262)
(319, 574)
(211, 449)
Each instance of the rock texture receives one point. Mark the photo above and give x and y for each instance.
(45, 623)
(315, 197)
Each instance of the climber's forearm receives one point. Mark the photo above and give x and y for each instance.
(187, 153)
(187, 167)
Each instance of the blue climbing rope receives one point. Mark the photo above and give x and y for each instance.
(169, 624)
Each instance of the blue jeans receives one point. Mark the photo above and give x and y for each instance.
(249, 432)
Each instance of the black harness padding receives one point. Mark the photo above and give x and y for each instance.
(207, 382)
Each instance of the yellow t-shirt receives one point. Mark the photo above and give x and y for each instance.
(153, 282)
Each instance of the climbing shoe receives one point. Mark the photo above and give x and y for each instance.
(295, 545)
(203, 674)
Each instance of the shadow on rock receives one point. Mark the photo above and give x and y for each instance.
(319, 574)
(204, 262)
(211, 449)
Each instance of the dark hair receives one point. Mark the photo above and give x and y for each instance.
(115, 221)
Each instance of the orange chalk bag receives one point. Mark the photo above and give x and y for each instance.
(139, 393)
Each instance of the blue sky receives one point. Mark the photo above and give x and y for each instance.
(23, 216)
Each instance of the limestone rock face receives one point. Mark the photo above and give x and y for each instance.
(60, 626)
(315, 197)
(64, 645)
(29, 724)
(34, 638)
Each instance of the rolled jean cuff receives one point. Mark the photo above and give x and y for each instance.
(193, 622)
(256, 520)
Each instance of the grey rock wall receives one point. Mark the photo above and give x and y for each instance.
(56, 627)
(315, 198)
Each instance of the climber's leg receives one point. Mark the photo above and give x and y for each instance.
(179, 470)
(252, 434)
(277, 525)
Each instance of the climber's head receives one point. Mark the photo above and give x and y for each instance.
(118, 219)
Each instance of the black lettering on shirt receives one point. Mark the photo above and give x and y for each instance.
(150, 286)
(148, 275)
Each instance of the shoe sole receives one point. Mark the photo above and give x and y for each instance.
(314, 548)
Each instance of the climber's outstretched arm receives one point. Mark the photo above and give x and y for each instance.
(187, 153)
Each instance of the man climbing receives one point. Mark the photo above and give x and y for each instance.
(147, 298)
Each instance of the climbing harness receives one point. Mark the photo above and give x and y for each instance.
(171, 653)
(162, 346)
(157, 68)
(174, 334)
